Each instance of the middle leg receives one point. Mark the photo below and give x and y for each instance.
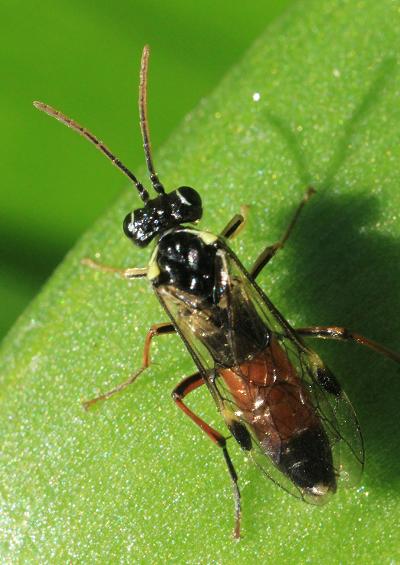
(156, 330)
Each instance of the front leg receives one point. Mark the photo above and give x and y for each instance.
(271, 250)
(237, 223)
(132, 273)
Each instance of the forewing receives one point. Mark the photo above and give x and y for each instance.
(330, 401)
(339, 420)
(178, 311)
(194, 323)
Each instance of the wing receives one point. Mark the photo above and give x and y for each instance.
(228, 339)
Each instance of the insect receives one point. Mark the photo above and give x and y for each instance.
(279, 401)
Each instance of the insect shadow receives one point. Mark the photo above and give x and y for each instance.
(350, 277)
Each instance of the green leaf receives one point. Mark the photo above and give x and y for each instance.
(315, 101)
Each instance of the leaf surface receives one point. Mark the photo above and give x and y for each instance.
(315, 101)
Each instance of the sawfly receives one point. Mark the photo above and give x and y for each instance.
(280, 402)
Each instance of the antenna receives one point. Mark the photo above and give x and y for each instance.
(144, 195)
(144, 124)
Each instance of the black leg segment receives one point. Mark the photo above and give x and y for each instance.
(233, 227)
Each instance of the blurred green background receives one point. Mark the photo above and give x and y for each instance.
(83, 58)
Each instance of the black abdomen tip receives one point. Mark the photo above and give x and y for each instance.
(307, 460)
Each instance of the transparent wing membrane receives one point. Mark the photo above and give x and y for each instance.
(264, 378)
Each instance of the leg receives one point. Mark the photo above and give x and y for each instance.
(132, 273)
(270, 251)
(157, 329)
(185, 387)
(235, 226)
(343, 334)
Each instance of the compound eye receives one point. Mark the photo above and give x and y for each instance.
(189, 196)
(128, 225)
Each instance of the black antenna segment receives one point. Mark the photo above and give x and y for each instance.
(144, 124)
(144, 195)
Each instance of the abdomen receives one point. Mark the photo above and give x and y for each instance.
(273, 401)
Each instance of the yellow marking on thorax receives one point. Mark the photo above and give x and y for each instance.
(207, 237)
(153, 269)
